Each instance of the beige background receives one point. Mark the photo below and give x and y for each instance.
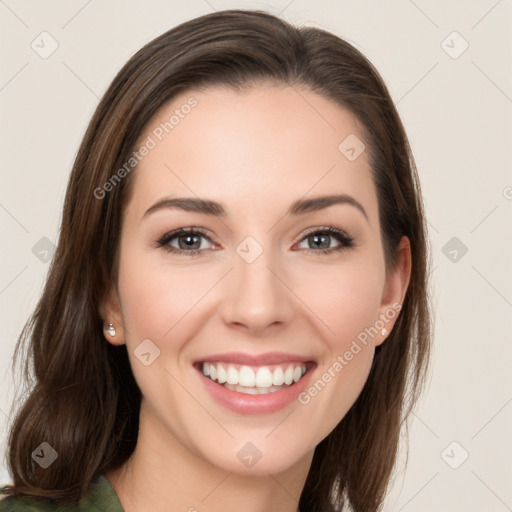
(457, 110)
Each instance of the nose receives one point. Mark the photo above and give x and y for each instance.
(255, 295)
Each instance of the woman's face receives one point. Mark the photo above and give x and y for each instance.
(259, 291)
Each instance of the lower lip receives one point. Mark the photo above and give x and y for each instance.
(243, 403)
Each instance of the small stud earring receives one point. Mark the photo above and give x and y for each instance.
(110, 330)
(384, 331)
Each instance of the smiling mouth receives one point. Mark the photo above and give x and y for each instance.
(254, 380)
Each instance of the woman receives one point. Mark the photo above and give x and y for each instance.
(237, 314)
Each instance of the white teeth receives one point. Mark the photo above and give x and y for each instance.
(248, 390)
(288, 375)
(262, 380)
(246, 377)
(278, 376)
(253, 391)
(232, 375)
(222, 376)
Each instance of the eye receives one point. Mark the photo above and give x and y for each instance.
(189, 241)
(183, 241)
(320, 240)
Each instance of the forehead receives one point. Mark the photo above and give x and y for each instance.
(266, 144)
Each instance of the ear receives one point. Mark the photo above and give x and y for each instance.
(395, 289)
(110, 312)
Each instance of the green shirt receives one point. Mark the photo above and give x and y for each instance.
(100, 498)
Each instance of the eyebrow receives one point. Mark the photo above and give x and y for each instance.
(215, 209)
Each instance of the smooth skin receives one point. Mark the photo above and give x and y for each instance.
(256, 153)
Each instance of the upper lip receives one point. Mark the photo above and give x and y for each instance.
(254, 360)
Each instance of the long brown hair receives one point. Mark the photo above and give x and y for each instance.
(83, 399)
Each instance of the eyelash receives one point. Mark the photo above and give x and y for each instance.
(346, 241)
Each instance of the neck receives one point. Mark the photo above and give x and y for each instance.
(164, 475)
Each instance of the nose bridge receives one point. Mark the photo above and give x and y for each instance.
(256, 297)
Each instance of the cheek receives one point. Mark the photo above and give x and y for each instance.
(347, 304)
(346, 299)
(155, 298)
(158, 303)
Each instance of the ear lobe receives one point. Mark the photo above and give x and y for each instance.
(110, 312)
(395, 289)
